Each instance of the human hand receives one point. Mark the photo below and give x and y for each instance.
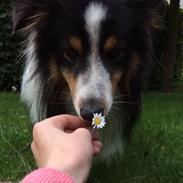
(63, 143)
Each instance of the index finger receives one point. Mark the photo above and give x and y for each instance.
(66, 122)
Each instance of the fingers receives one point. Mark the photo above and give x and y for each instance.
(94, 133)
(66, 122)
(86, 134)
(83, 133)
(97, 147)
(74, 124)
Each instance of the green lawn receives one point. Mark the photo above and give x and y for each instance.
(155, 154)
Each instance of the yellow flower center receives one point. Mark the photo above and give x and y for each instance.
(97, 121)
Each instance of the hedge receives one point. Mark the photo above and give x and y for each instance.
(10, 66)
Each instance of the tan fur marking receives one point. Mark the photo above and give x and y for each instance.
(116, 77)
(110, 43)
(76, 44)
(71, 82)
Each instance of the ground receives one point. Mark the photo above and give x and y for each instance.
(155, 154)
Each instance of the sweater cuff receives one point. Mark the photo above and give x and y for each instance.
(47, 175)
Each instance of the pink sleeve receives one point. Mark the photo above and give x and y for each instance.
(47, 175)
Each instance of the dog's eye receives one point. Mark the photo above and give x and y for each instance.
(115, 53)
(72, 54)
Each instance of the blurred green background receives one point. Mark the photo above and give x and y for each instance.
(155, 154)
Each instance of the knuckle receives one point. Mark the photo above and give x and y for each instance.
(37, 127)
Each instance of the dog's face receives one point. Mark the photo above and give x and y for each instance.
(94, 45)
(88, 61)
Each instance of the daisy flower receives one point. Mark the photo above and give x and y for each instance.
(98, 121)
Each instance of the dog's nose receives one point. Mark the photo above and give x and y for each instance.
(87, 113)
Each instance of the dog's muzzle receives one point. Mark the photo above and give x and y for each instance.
(90, 107)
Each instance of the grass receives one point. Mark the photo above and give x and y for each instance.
(155, 154)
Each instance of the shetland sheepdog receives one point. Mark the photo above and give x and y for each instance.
(85, 57)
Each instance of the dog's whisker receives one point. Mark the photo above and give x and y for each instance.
(64, 103)
(124, 102)
(118, 96)
(116, 108)
(54, 91)
(72, 112)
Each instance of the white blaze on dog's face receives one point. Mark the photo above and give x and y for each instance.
(93, 90)
(94, 85)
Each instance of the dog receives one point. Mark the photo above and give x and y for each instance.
(85, 57)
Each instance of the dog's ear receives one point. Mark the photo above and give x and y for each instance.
(152, 12)
(29, 14)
